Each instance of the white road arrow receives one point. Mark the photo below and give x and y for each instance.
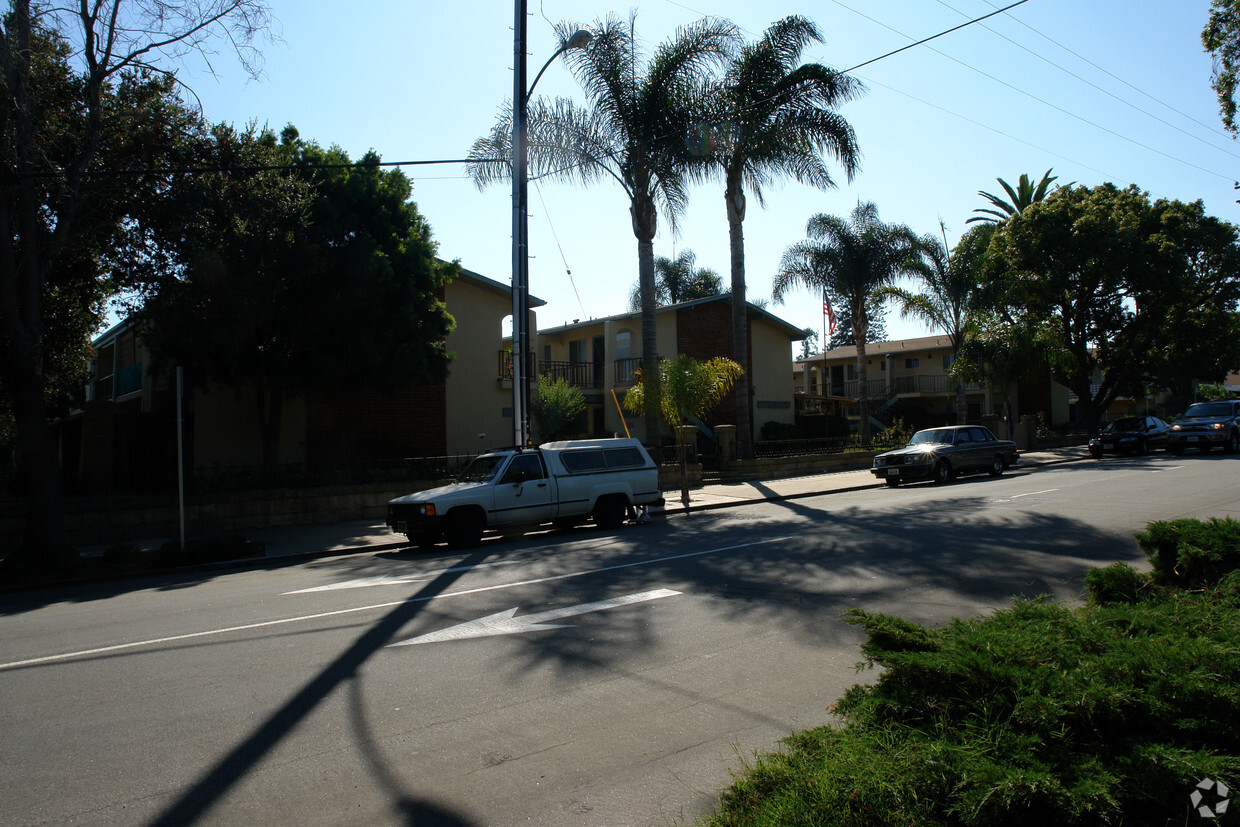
(504, 623)
(397, 579)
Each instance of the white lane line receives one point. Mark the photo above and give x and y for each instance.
(374, 606)
(1032, 494)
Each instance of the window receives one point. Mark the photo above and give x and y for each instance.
(948, 358)
(524, 467)
(624, 458)
(577, 352)
(624, 345)
(914, 362)
(581, 461)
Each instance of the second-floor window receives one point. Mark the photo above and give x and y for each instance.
(912, 363)
(577, 351)
(624, 345)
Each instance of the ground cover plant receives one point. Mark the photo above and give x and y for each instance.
(1108, 713)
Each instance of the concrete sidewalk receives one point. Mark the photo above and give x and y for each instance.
(355, 536)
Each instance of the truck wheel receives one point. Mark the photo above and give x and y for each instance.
(463, 528)
(609, 512)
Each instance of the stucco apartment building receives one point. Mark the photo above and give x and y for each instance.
(124, 433)
(601, 355)
(907, 378)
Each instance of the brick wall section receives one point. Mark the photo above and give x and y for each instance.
(704, 332)
(368, 425)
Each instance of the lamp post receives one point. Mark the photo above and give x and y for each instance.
(520, 221)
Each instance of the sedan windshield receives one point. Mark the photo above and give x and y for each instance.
(481, 469)
(940, 436)
(1128, 423)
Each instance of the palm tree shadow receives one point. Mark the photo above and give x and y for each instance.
(216, 783)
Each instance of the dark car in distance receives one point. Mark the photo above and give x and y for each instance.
(943, 453)
(1206, 424)
(1131, 435)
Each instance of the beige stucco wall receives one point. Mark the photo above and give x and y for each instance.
(476, 400)
(226, 432)
(771, 385)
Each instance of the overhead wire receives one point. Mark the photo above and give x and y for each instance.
(1093, 85)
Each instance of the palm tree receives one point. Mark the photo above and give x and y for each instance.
(632, 131)
(950, 290)
(679, 280)
(776, 118)
(851, 259)
(1021, 197)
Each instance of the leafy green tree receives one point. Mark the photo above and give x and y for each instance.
(559, 410)
(776, 118)
(1221, 38)
(679, 280)
(1117, 286)
(687, 389)
(632, 131)
(1020, 198)
(949, 283)
(850, 259)
(83, 96)
(322, 278)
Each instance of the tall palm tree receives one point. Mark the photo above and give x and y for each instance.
(776, 118)
(679, 280)
(852, 259)
(949, 284)
(632, 131)
(1021, 197)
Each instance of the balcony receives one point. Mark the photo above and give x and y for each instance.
(928, 385)
(577, 374)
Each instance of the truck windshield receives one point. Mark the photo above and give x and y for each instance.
(481, 469)
(1209, 409)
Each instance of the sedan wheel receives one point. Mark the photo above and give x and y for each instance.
(942, 473)
(1233, 442)
(997, 466)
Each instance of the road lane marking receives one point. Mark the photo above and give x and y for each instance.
(397, 579)
(1032, 493)
(505, 623)
(375, 606)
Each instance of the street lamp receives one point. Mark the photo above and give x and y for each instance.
(520, 221)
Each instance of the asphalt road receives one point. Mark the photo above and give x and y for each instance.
(563, 678)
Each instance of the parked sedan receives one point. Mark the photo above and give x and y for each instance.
(1131, 435)
(942, 453)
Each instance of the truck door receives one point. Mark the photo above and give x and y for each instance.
(524, 494)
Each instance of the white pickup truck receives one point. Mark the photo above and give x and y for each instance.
(563, 483)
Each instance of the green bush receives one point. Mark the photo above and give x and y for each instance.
(1117, 583)
(1191, 553)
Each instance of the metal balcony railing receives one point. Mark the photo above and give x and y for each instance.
(578, 374)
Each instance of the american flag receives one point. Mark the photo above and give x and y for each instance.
(828, 313)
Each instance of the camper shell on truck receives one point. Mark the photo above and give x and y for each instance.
(563, 483)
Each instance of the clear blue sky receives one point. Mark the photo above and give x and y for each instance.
(1106, 90)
